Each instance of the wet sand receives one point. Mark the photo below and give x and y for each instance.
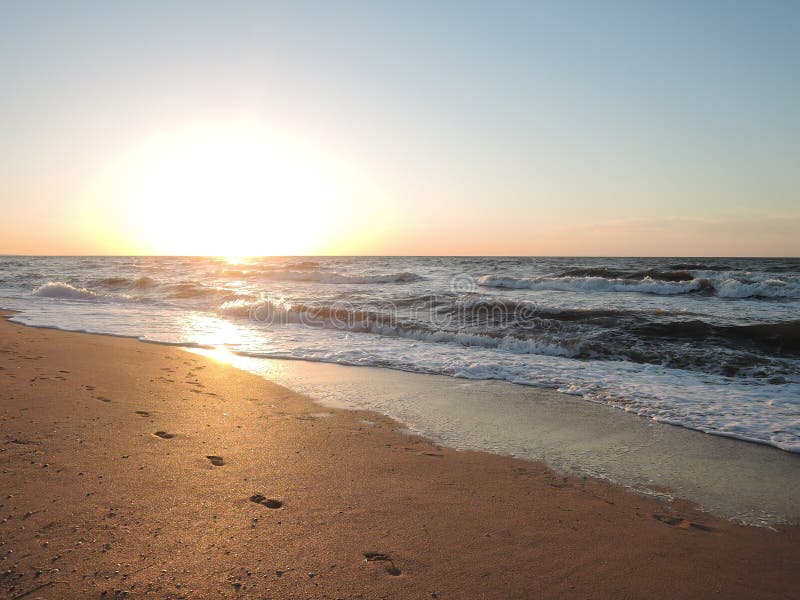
(751, 483)
(131, 469)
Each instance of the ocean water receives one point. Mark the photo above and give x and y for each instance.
(707, 344)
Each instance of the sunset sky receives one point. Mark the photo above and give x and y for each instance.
(385, 128)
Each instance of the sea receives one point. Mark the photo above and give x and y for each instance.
(710, 344)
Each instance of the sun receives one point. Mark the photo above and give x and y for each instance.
(237, 188)
(230, 190)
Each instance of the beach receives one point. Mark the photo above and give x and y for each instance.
(132, 469)
(380, 301)
(709, 345)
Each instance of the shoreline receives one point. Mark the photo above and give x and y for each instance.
(9, 314)
(750, 483)
(98, 500)
(743, 480)
(728, 407)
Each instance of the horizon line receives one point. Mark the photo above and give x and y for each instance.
(761, 256)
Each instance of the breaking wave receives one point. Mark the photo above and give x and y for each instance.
(647, 285)
(65, 291)
(270, 312)
(770, 288)
(730, 325)
(730, 287)
(674, 275)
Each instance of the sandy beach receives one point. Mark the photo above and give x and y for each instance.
(138, 470)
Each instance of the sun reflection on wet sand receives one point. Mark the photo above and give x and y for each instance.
(208, 330)
(220, 354)
(271, 369)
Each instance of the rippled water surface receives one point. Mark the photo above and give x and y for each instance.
(710, 344)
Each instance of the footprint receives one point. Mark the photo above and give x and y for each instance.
(164, 435)
(560, 484)
(376, 556)
(143, 413)
(217, 461)
(103, 399)
(681, 523)
(391, 568)
(268, 502)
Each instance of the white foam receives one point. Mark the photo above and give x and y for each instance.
(725, 287)
(592, 284)
(64, 291)
(745, 482)
(739, 408)
(759, 407)
(768, 288)
(273, 312)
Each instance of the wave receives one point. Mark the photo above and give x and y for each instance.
(784, 336)
(730, 287)
(338, 278)
(281, 312)
(781, 337)
(115, 281)
(303, 265)
(120, 285)
(509, 343)
(58, 289)
(672, 275)
(250, 271)
(699, 267)
(65, 291)
(788, 265)
(125, 282)
(770, 288)
(500, 311)
(593, 284)
(193, 290)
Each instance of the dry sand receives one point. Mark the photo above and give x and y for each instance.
(130, 469)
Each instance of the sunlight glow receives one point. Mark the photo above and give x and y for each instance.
(220, 354)
(230, 190)
(208, 330)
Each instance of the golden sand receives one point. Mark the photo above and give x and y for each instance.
(136, 470)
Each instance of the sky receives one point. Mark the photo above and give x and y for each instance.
(454, 128)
